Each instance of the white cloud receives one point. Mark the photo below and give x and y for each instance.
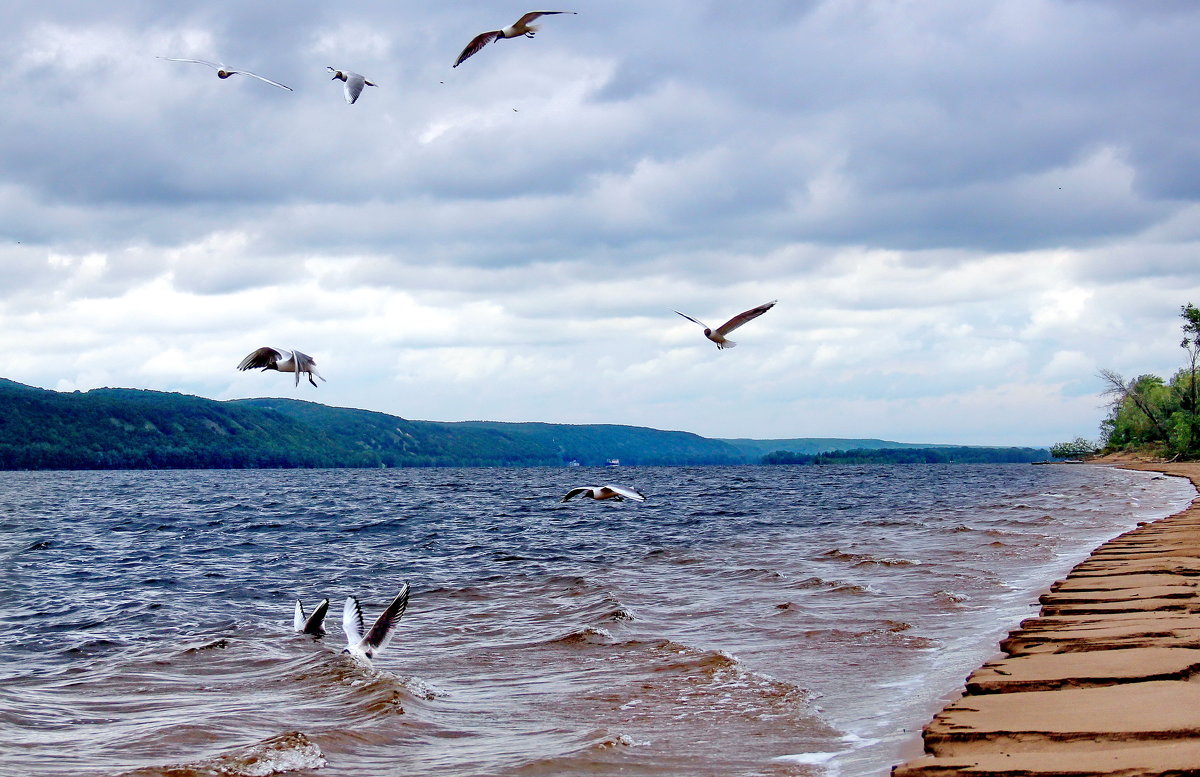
(964, 209)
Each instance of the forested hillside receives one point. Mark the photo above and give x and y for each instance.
(128, 428)
(135, 429)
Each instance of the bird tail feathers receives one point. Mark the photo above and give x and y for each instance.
(727, 344)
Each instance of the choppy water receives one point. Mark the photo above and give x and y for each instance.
(743, 621)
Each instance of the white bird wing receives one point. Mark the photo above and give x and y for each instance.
(298, 618)
(352, 621)
(628, 493)
(263, 78)
(694, 321)
(384, 629)
(527, 18)
(574, 492)
(742, 318)
(478, 42)
(263, 357)
(304, 362)
(353, 87)
(315, 623)
(213, 65)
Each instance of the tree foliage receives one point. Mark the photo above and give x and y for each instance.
(1075, 449)
(939, 455)
(1148, 412)
(134, 429)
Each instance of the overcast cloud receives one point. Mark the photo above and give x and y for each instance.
(964, 209)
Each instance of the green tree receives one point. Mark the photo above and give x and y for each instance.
(1075, 449)
(1185, 382)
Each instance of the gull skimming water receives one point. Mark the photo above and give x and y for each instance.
(605, 492)
(354, 83)
(718, 335)
(364, 648)
(282, 361)
(518, 28)
(225, 72)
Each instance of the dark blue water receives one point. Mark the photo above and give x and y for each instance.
(743, 620)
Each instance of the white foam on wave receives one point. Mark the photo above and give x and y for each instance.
(288, 752)
(811, 759)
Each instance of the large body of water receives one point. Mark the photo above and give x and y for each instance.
(742, 621)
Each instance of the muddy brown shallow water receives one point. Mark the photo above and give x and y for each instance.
(742, 621)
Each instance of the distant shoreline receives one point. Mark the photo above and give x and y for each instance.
(135, 429)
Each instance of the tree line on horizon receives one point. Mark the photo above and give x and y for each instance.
(941, 455)
(1151, 415)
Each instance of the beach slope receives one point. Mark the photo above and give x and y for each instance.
(1104, 681)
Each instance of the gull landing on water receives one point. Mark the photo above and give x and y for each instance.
(605, 492)
(226, 72)
(354, 83)
(364, 648)
(518, 28)
(718, 335)
(282, 361)
(313, 624)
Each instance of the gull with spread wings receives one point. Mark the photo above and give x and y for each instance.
(605, 492)
(364, 648)
(225, 72)
(354, 83)
(313, 624)
(282, 361)
(518, 28)
(718, 335)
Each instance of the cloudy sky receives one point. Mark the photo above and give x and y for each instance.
(964, 208)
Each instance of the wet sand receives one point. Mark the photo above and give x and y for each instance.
(1104, 681)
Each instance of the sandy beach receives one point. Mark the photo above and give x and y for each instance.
(1101, 682)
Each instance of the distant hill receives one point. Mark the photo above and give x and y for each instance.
(135, 429)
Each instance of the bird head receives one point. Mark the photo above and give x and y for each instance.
(337, 74)
(223, 73)
(707, 331)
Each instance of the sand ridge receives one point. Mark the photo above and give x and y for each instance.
(1104, 681)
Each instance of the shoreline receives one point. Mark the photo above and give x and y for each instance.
(1100, 681)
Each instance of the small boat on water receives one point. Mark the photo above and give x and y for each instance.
(613, 463)
(573, 463)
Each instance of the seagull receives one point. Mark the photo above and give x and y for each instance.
(366, 648)
(718, 335)
(226, 72)
(354, 83)
(518, 28)
(282, 361)
(314, 624)
(606, 492)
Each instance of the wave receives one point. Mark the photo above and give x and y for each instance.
(287, 752)
(950, 598)
(836, 586)
(585, 636)
(863, 559)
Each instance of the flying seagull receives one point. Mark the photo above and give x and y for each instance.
(606, 492)
(282, 361)
(718, 335)
(313, 624)
(354, 83)
(518, 28)
(366, 648)
(226, 72)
